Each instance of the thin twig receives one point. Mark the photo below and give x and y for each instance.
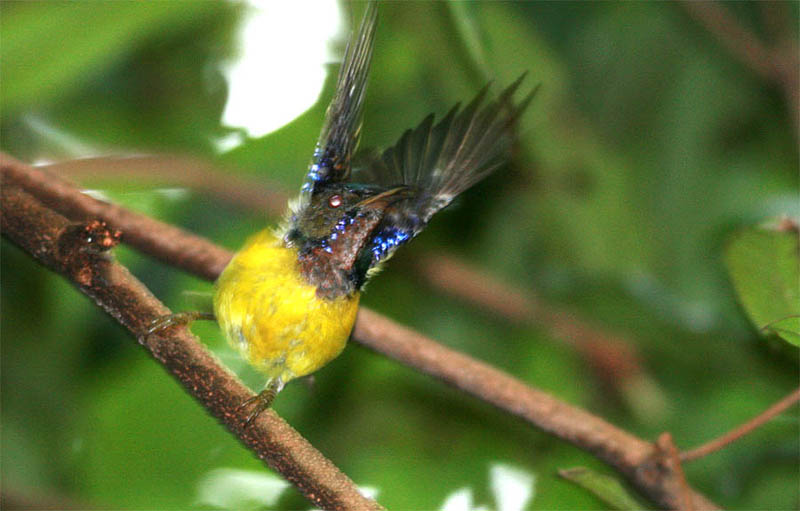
(740, 41)
(75, 251)
(779, 63)
(777, 18)
(612, 357)
(742, 430)
(631, 456)
(172, 170)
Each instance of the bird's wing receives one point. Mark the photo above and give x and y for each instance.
(339, 136)
(438, 161)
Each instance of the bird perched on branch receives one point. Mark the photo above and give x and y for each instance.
(288, 299)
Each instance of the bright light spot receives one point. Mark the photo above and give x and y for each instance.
(459, 500)
(512, 487)
(97, 194)
(369, 492)
(229, 488)
(173, 194)
(281, 68)
(230, 141)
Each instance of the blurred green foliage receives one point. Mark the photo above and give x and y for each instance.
(646, 149)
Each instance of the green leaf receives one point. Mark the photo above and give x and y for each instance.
(606, 488)
(49, 48)
(787, 328)
(763, 265)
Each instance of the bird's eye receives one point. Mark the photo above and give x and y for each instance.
(335, 201)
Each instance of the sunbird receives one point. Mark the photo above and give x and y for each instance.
(287, 301)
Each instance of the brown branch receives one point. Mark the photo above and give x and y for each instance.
(744, 429)
(35, 499)
(637, 459)
(75, 251)
(777, 17)
(779, 63)
(613, 358)
(740, 41)
(672, 459)
(169, 170)
(164, 242)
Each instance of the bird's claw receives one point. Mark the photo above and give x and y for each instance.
(180, 318)
(262, 400)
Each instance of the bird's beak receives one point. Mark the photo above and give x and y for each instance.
(384, 197)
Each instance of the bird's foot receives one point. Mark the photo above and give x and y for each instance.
(262, 400)
(181, 318)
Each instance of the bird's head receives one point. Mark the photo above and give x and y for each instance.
(333, 229)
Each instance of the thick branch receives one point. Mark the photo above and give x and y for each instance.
(67, 249)
(162, 241)
(611, 356)
(614, 358)
(640, 461)
(570, 423)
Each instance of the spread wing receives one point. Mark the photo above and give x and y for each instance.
(339, 137)
(439, 161)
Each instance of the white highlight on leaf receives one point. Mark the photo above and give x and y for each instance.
(230, 141)
(513, 488)
(459, 500)
(281, 68)
(228, 488)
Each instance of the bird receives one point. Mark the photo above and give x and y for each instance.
(287, 301)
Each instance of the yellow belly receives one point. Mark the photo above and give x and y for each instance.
(273, 317)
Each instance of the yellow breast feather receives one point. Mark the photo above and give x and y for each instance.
(274, 317)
